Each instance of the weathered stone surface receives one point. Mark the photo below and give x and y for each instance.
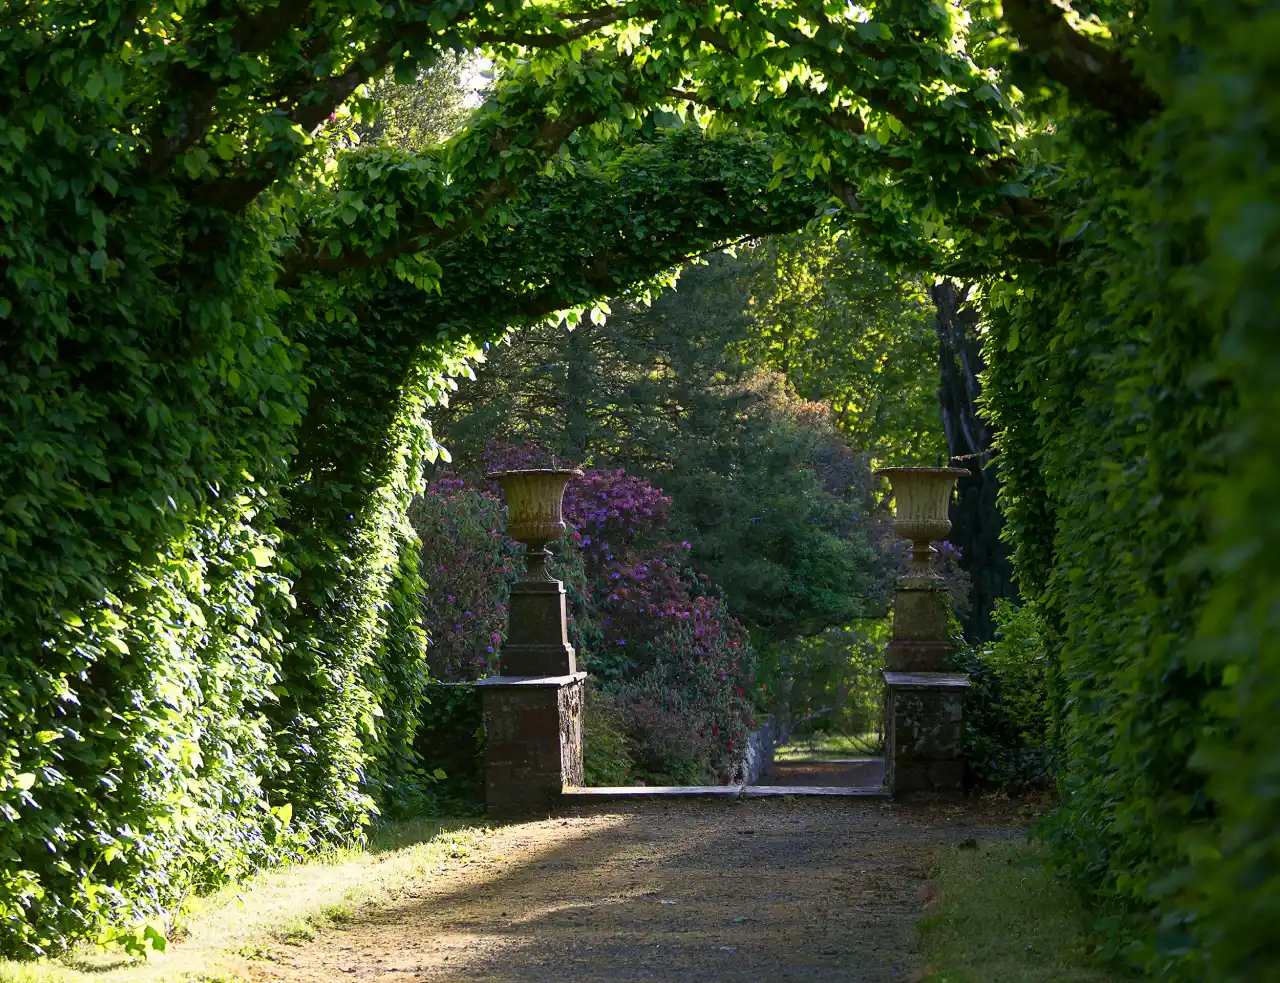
(533, 741)
(921, 640)
(759, 754)
(537, 640)
(814, 792)
(927, 680)
(924, 731)
(580, 796)
(920, 613)
(903, 656)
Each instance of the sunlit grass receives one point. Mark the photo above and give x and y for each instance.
(830, 746)
(998, 916)
(219, 934)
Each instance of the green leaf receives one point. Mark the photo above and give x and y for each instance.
(155, 938)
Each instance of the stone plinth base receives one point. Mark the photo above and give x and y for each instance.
(916, 657)
(921, 640)
(533, 740)
(924, 731)
(537, 638)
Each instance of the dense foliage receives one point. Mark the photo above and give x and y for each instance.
(848, 330)
(777, 510)
(221, 327)
(1009, 741)
(1130, 444)
(671, 671)
(448, 777)
(828, 683)
(207, 477)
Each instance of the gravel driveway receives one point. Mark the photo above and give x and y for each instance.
(758, 890)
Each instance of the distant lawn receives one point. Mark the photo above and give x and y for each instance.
(999, 918)
(830, 746)
(221, 933)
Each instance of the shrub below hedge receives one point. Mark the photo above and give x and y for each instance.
(1007, 735)
(449, 743)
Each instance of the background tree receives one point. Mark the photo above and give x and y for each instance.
(845, 327)
(848, 329)
(417, 114)
(778, 509)
(976, 522)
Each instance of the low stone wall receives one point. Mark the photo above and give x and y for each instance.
(759, 753)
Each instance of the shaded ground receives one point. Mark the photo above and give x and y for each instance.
(776, 890)
(850, 772)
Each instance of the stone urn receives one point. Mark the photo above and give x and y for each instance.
(535, 511)
(921, 497)
(921, 636)
(537, 627)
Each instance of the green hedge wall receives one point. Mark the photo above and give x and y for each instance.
(208, 588)
(1137, 385)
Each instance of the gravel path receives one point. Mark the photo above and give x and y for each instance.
(848, 772)
(771, 890)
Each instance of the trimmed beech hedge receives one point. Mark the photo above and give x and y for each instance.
(1136, 386)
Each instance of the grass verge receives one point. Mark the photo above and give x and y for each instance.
(215, 940)
(830, 746)
(996, 916)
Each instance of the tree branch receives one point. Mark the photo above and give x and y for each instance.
(234, 191)
(1100, 77)
(199, 86)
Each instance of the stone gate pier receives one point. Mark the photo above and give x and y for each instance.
(533, 710)
(924, 699)
(533, 740)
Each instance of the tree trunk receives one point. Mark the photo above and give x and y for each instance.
(975, 519)
(578, 392)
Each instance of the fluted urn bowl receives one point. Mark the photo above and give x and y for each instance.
(921, 496)
(535, 502)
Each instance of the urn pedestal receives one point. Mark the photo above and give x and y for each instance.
(924, 701)
(532, 741)
(533, 710)
(924, 731)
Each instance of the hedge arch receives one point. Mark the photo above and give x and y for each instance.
(219, 333)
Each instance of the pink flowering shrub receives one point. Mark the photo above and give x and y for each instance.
(696, 687)
(469, 565)
(673, 669)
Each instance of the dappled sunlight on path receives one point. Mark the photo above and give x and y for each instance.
(761, 890)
